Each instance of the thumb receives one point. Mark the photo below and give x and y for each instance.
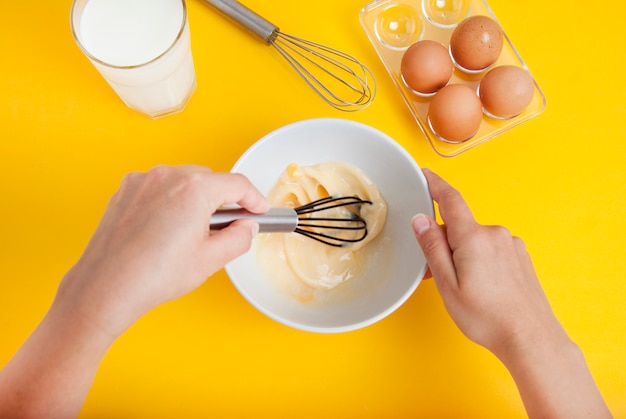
(434, 243)
(230, 242)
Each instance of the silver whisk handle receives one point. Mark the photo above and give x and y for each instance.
(276, 220)
(246, 18)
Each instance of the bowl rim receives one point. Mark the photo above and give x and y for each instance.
(414, 284)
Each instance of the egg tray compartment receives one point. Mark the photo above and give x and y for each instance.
(390, 50)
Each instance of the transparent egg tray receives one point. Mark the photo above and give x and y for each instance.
(394, 25)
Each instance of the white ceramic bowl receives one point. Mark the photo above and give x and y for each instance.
(401, 264)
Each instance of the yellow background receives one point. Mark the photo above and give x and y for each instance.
(557, 181)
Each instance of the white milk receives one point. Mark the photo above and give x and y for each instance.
(142, 48)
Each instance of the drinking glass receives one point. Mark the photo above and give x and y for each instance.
(142, 48)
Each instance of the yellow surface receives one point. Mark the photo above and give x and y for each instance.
(557, 181)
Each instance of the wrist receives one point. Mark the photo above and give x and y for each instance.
(81, 302)
(76, 322)
(542, 338)
(51, 373)
(533, 354)
(553, 379)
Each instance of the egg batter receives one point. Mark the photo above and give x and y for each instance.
(302, 265)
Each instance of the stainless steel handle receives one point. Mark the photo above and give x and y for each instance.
(276, 220)
(246, 18)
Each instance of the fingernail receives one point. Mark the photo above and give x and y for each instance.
(254, 228)
(421, 223)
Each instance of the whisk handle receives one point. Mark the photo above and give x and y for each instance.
(276, 220)
(246, 18)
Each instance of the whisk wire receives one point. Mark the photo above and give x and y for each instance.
(301, 46)
(312, 81)
(305, 220)
(309, 60)
(299, 53)
(313, 224)
(359, 223)
(330, 202)
(327, 239)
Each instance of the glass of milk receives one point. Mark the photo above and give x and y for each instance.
(142, 48)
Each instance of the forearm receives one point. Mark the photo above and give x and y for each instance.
(52, 372)
(554, 382)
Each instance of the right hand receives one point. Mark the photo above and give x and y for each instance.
(489, 287)
(484, 275)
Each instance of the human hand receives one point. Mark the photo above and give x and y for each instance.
(484, 275)
(489, 287)
(153, 243)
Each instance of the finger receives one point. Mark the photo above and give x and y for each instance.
(231, 242)
(524, 256)
(452, 206)
(235, 188)
(129, 183)
(196, 168)
(432, 239)
(453, 209)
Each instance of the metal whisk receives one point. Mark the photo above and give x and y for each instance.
(337, 232)
(338, 78)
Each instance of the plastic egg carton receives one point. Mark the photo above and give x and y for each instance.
(394, 25)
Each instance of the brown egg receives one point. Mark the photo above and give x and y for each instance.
(426, 66)
(455, 113)
(506, 91)
(476, 43)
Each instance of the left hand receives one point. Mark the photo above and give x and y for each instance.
(153, 243)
